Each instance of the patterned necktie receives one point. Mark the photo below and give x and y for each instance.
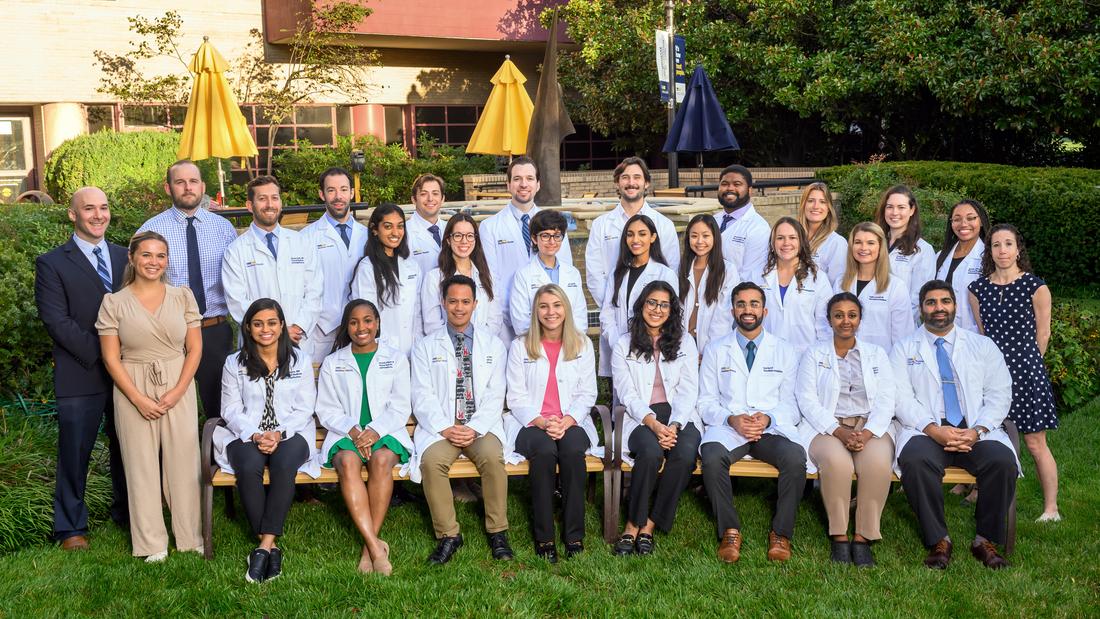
(344, 234)
(464, 386)
(101, 269)
(726, 219)
(952, 410)
(434, 229)
(750, 354)
(194, 266)
(526, 219)
(271, 244)
(269, 423)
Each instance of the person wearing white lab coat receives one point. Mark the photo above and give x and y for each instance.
(267, 405)
(796, 288)
(425, 227)
(547, 233)
(641, 260)
(656, 374)
(506, 235)
(273, 262)
(747, 403)
(338, 240)
(960, 260)
(846, 394)
(706, 282)
(452, 361)
(389, 278)
(954, 393)
(363, 400)
(745, 233)
(818, 217)
(462, 254)
(912, 259)
(601, 254)
(551, 389)
(887, 315)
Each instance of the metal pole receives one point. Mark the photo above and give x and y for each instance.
(673, 164)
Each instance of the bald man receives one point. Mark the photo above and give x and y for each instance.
(69, 284)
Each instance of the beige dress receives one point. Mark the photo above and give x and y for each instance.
(164, 449)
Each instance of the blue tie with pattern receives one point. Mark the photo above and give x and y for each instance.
(952, 410)
(526, 219)
(271, 244)
(726, 219)
(434, 229)
(101, 269)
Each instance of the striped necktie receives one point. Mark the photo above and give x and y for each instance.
(526, 219)
(101, 269)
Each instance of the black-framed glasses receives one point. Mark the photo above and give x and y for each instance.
(458, 237)
(654, 304)
(550, 237)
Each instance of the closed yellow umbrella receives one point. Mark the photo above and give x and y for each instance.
(502, 128)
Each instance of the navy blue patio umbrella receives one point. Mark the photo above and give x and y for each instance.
(700, 124)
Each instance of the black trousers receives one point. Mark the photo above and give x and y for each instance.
(78, 420)
(922, 462)
(566, 454)
(217, 340)
(670, 483)
(778, 451)
(266, 509)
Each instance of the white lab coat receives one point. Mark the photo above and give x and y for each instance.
(434, 371)
(968, 270)
(527, 380)
(800, 317)
(527, 282)
(982, 380)
(488, 315)
(915, 270)
(832, 256)
(887, 316)
(615, 321)
(634, 378)
(817, 391)
(602, 251)
(340, 397)
(337, 263)
(745, 242)
(401, 325)
(713, 321)
(727, 387)
(422, 246)
(243, 409)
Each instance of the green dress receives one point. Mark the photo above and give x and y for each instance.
(363, 361)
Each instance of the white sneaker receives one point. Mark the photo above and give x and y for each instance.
(197, 549)
(158, 557)
(1055, 517)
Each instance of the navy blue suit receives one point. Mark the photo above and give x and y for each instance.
(68, 293)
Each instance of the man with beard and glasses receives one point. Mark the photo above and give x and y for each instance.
(747, 402)
(197, 240)
(954, 393)
(339, 241)
(745, 234)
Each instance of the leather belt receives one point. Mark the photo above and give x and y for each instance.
(213, 320)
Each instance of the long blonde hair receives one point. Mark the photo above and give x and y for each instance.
(882, 264)
(828, 226)
(130, 274)
(572, 340)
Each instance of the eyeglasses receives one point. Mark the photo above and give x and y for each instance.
(654, 304)
(550, 237)
(458, 237)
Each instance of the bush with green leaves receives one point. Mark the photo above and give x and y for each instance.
(1073, 356)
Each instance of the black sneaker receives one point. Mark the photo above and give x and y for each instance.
(548, 551)
(274, 564)
(498, 544)
(257, 565)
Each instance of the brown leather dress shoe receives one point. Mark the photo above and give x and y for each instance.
(779, 547)
(986, 552)
(729, 550)
(939, 556)
(76, 542)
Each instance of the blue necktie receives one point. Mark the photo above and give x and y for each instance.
(750, 354)
(101, 269)
(271, 244)
(343, 228)
(952, 410)
(726, 219)
(434, 229)
(526, 219)
(194, 266)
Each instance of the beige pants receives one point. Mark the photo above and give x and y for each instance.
(872, 467)
(487, 454)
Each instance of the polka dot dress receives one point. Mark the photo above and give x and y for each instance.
(1008, 316)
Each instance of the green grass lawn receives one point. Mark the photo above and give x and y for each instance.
(1055, 570)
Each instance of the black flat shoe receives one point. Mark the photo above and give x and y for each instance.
(547, 551)
(862, 555)
(498, 544)
(841, 552)
(573, 549)
(644, 545)
(257, 565)
(445, 549)
(274, 564)
(625, 545)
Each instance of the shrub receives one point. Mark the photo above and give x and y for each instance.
(1073, 356)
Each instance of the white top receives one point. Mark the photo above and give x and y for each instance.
(832, 256)
(887, 316)
(401, 324)
(422, 246)
(615, 320)
(529, 279)
(915, 270)
(713, 321)
(487, 316)
(337, 263)
(745, 241)
(602, 251)
(968, 270)
(799, 317)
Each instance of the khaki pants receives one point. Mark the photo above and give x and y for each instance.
(872, 467)
(487, 454)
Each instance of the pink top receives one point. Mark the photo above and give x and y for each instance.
(551, 401)
(658, 396)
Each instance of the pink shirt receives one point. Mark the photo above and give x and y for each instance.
(551, 401)
(658, 396)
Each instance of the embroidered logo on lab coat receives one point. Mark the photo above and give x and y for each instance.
(324, 245)
(914, 361)
(343, 368)
(419, 252)
(726, 369)
(385, 365)
(253, 263)
(439, 359)
(295, 374)
(771, 369)
(504, 241)
(877, 297)
(297, 260)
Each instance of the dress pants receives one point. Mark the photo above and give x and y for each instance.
(544, 455)
(922, 462)
(487, 454)
(216, 342)
(266, 509)
(776, 450)
(78, 419)
(873, 468)
(669, 483)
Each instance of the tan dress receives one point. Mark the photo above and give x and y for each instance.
(165, 449)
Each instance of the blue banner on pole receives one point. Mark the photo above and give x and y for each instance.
(662, 66)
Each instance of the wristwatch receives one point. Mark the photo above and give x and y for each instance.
(676, 424)
(981, 432)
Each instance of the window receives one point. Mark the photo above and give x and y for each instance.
(317, 123)
(447, 124)
(586, 149)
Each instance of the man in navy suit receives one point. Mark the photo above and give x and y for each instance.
(69, 285)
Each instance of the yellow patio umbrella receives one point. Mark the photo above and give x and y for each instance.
(502, 128)
(215, 126)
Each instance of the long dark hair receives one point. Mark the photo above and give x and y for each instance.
(447, 256)
(641, 344)
(950, 238)
(806, 264)
(907, 242)
(249, 356)
(626, 259)
(716, 265)
(386, 277)
(1022, 261)
(342, 337)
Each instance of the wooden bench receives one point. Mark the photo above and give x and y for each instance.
(214, 477)
(755, 468)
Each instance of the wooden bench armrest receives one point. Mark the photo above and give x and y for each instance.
(208, 467)
(1013, 435)
(601, 413)
(617, 454)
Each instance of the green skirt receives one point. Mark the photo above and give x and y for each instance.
(389, 442)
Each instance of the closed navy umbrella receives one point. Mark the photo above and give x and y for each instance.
(700, 124)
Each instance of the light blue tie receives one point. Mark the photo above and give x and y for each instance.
(951, 408)
(271, 244)
(750, 354)
(101, 269)
(526, 219)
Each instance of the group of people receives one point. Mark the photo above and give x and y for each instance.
(787, 343)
